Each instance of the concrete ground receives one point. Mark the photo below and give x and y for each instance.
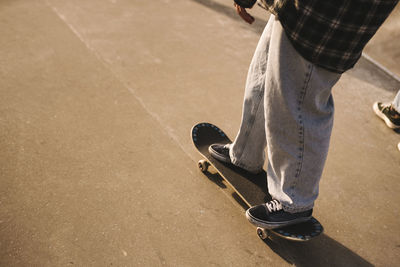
(97, 166)
(384, 46)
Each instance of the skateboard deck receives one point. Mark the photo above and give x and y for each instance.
(251, 188)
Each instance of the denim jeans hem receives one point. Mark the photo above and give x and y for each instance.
(293, 209)
(245, 166)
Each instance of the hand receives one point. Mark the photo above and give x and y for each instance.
(243, 14)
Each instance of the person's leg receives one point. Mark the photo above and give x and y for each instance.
(248, 149)
(396, 107)
(299, 118)
(396, 102)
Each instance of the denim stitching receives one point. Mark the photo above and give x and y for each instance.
(251, 125)
(300, 156)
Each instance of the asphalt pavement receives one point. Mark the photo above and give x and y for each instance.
(97, 167)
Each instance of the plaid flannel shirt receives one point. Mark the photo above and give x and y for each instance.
(329, 33)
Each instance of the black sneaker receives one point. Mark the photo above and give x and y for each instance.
(220, 152)
(271, 215)
(388, 114)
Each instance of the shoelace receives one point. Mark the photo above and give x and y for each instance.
(390, 112)
(386, 108)
(273, 205)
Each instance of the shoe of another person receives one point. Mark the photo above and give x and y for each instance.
(271, 215)
(388, 114)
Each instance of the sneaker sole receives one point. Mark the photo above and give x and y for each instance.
(274, 225)
(389, 124)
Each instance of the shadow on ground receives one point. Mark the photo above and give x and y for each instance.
(369, 73)
(215, 178)
(321, 251)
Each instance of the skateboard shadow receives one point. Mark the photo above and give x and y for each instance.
(322, 251)
(215, 178)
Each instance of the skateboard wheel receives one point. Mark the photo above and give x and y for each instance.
(203, 165)
(262, 233)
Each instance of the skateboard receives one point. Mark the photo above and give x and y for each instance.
(251, 188)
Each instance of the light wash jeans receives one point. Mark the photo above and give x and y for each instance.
(396, 102)
(288, 109)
